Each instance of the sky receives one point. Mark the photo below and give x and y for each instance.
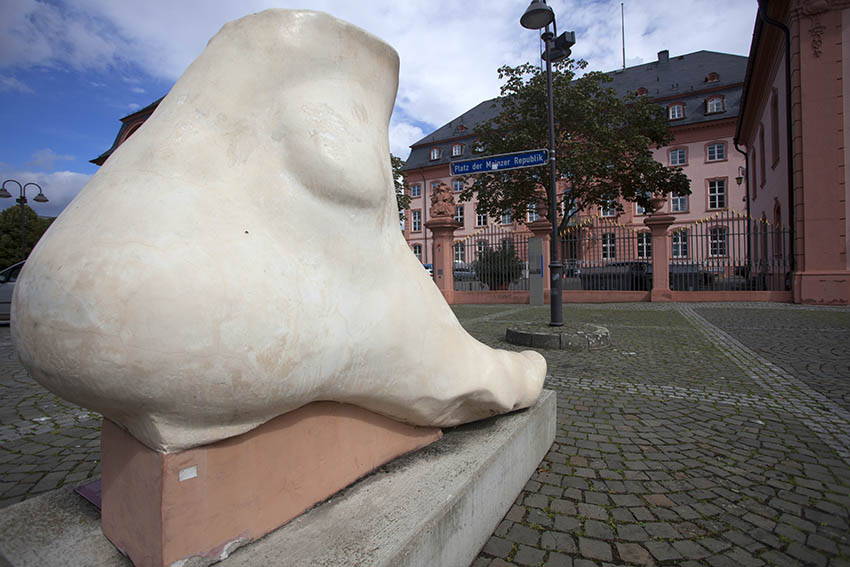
(70, 70)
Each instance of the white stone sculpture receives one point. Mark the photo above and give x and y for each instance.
(239, 256)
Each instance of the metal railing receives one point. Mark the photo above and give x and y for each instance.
(491, 259)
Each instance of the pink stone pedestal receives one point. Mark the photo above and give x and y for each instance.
(160, 508)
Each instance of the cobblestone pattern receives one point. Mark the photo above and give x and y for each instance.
(679, 467)
(45, 441)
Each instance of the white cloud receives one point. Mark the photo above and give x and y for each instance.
(13, 84)
(402, 135)
(137, 90)
(60, 187)
(133, 106)
(45, 158)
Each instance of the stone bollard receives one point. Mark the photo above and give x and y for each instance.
(658, 225)
(443, 229)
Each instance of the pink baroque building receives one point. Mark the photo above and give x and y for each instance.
(701, 94)
(795, 125)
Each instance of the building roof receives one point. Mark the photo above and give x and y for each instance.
(683, 79)
(127, 122)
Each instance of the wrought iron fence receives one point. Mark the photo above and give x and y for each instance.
(492, 258)
(600, 254)
(729, 251)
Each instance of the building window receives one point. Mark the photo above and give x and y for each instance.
(459, 214)
(676, 111)
(679, 156)
(460, 252)
(457, 149)
(714, 104)
(435, 185)
(435, 153)
(774, 128)
(415, 190)
(678, 203)
(642, 91)
(717, 241)
(507, 218)
(761, 155)
(417, 251)
(644, 245)
(716, 152)
(457, 184)
(416, 221)
(532, 215)
(640, 210)
(609, 210)
(480, 218)
(679, 238)
(480, 247)
(712, 78)
(609, 248)
(717, 194)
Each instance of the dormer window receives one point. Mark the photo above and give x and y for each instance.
(712, 77)
(676, 111)
(435, 153)
(457, 149)
(714, 104)
(642, 91)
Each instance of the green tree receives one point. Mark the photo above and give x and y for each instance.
(498, 267)
(603, 144)
(401, 196)
(10, 233)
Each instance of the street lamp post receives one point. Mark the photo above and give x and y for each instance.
(22, 201)
(539, 16)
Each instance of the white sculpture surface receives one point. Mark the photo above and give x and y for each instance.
(239, 256)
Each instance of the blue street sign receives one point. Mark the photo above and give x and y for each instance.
(516, 160)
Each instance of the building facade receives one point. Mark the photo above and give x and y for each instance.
(795, 125)
(701, 94)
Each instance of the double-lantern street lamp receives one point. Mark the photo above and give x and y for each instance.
(539, 16)
(22, 201)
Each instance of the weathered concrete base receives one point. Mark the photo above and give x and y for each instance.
(437, 506)
(199, 505)
(569, 337)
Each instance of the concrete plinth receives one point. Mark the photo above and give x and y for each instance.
(164, 508)
(436, 506)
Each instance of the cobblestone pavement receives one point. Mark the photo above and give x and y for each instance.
(709, 434)
(706, 435)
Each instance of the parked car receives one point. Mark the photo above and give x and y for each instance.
(689, 277)
(625, 276)
(430, 268)
(463, 272)
(8, 277)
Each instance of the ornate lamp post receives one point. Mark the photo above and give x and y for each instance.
(22, 200)
(536, 17)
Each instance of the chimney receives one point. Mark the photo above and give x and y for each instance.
(663, 56)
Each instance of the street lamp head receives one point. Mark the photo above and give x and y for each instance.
(40, 198)
(4, 194)
(537, 16)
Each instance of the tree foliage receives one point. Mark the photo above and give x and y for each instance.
(498, 267)
(10, 233)
(401, 196)
(603, 144)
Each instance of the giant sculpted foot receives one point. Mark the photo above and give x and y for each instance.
(239, 257)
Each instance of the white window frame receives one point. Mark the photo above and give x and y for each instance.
(531, 214)
(678, 203)
(457, 149)
(679, 243)
(459, 214)
(716, 152)
(480, 218)
(715, 104)
(717, 241)
(417, 251)
(507, 218)
(416, 221)
(460, 252)
(457, 185)
(683, 152)
(676, 111)
(608, 210)
(644, 245)
(609, 246)
(480, 247)
(435, 153)
(415, 191)
(717, 194)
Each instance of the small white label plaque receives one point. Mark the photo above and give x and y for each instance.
(187, 473)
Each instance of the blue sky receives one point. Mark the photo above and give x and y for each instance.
(70, 70)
